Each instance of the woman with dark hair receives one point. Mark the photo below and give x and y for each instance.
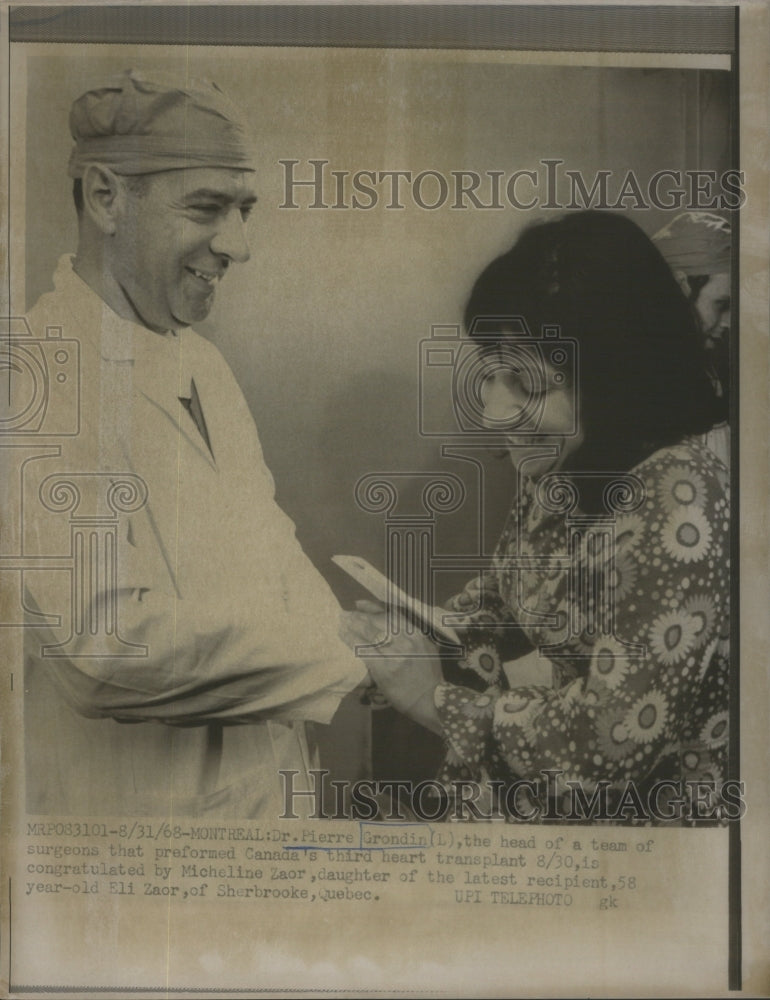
(635, 630)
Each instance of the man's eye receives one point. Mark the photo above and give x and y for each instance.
(205, 208)
(246, 211)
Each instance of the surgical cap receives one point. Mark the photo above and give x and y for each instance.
(696, 243)
(137, 123)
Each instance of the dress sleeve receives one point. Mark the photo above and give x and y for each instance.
(658, 682)
(488, 628)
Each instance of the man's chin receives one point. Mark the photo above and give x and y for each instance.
(191, 314)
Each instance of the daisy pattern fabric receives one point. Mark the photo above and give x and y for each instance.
(657, 714)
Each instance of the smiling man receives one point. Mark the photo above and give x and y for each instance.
(191, 226)
(183, 652)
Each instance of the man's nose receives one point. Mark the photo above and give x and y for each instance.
(230, 238)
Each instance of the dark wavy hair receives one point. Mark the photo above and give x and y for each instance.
(642, 379)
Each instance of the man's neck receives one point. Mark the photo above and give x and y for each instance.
(90, 268)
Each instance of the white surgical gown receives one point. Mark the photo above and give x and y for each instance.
(225, 642)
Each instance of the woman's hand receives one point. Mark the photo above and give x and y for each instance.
(404, 664)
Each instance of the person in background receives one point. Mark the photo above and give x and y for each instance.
(697, 248)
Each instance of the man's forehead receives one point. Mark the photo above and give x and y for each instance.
(223, 182)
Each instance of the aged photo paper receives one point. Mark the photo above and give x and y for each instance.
(272, 292)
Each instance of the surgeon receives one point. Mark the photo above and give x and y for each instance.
(174, 666)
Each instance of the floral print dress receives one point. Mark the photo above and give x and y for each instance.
(647, 701)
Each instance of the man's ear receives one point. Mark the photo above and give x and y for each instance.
(103, 193)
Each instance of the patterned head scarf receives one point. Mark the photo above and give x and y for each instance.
(696, 243)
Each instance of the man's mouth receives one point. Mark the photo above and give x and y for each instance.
(210, 277)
